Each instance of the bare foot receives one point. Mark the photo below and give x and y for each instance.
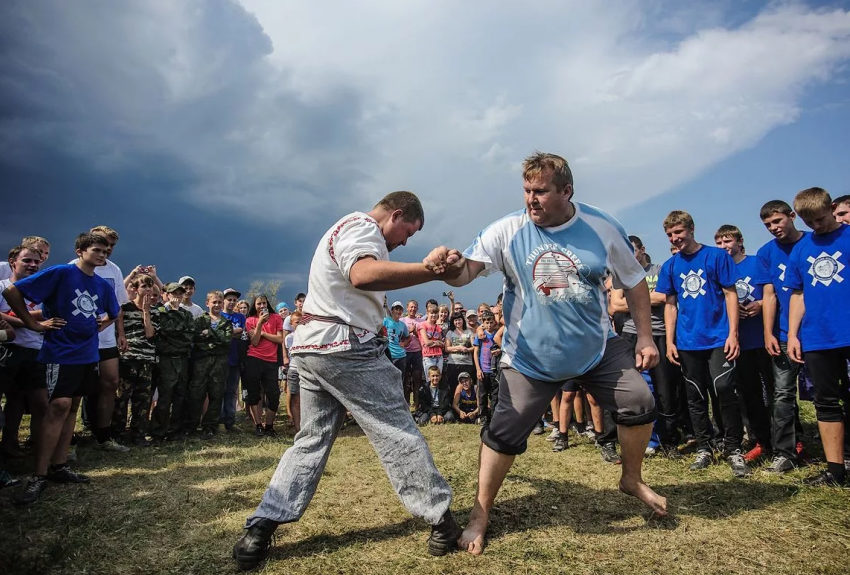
(472, 538)
(643, 492)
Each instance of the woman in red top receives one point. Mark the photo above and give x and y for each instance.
(266, 332)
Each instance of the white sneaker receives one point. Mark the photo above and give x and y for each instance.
(554, 435)
(111, 445)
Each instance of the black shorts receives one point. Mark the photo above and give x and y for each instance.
(261, 377)
(107, 353)
(19, 368)
(69, 380)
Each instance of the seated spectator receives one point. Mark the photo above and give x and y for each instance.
(434, 401)
(465, 403)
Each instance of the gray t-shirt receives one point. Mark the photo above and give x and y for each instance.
(657, 311)
(464, 339)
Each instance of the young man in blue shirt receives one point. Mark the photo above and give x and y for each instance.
(701, 320)
(69, 356)
(555, 255)
(397, 336)
(818, 320)
(234, 358)
(786, 431)
(755, 374)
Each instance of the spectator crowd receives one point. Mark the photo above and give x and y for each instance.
(741, 338)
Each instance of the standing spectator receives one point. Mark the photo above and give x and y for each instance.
(841, 209)
(431, 338)
(173, 346)
(774, 257)
(755, 374)
(819, 321)
(435, 402)
(188, 283)
(213, 334)
(38, 243)
(299, 306)
(243, 307)
(266, 332)
(68, 359)
(472, 320)
(701, 321)
(235, 357)
(459, 347)
(413, 376)
(484, 359)
(293, 381)
(397, 337)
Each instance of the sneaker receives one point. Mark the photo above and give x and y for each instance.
(64, 474)
(111, 445)
(554, 435)
(32, 490)
(229, 426)
(258, 431)
(738, 464)
(702, 460)
(207, 434)
(689, 446)
(444, 536)
(589, 433)
(72, 454)
(609, 453)
(538, 428)
(755, 453)
(254, 546)
(560, 444)
(780, 464)
(823, 479)
(671, 452)
(650, 451)
(7, 480)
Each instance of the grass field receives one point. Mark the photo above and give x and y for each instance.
(180, 508)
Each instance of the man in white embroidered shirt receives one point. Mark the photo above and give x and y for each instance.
(555, 255)
(339, 352)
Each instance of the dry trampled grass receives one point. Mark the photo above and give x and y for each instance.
(180, 508)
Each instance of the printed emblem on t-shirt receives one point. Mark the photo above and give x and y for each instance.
(825, 268)
(744, 290)
(651, 281)
(782, 268)
(84, 304)
(559, 275)
(693, 284)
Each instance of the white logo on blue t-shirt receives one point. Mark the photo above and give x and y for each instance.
(825, 268)
(560, 276)
(693, 284)
(84, 304)
(745, 290)
(782, 275)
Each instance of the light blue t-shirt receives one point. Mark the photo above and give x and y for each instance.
(396, 331)
(749, 289)
(774, 257)
(555, 302)
(697, 280)
(818, 267)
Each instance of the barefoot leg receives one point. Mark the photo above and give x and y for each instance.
(492, 469)
(633, 442)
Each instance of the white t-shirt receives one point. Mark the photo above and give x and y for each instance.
(5, 271)
(194, 309)
(23, 337)
(330, 293)
(112, 274)
(287, 325)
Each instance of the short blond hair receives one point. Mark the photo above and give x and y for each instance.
(678, 218)
(105, 231)
(811, 201)
(538, 162)
(433, 369)
(215, 293)
(34, 241)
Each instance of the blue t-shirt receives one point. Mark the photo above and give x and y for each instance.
(66, 292)
(749, 288)
(555, 302)
(774, 257)
(238, 320)
(697, 280)
(818, 267)
(396, 331)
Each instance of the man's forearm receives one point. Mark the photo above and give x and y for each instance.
(671, 313)
(19, 307)
(732, 310)
(796, 310)
(768, 309)
(372, 275)
(637, 299)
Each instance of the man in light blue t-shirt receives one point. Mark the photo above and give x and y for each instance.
(555, 255)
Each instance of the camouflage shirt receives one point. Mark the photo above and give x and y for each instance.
(176, 331)
(139, 347)
(216, 341)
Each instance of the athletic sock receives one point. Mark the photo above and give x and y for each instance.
(837, 470)
(103, 434)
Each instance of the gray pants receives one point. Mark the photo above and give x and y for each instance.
(363, 381)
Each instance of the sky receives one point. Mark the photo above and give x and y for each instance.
(221, 138)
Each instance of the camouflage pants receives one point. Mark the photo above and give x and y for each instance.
(134, 388)
(209, 374)
(172, 385)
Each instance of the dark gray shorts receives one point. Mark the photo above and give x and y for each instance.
(615, 384)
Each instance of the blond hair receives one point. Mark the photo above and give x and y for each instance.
(811, 201)
(215, 293)
(105, 231)
(678, 218)
(34, 241)
(538, 162)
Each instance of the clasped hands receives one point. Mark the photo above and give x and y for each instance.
(445, 262)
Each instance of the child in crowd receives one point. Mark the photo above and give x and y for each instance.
(293, 389)
(136, 363)
(431, 338)
(434, 401)
(483, 355)
(173, 346)
(397, 336)
(235, 357)
(465, 402)
(213, 333)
